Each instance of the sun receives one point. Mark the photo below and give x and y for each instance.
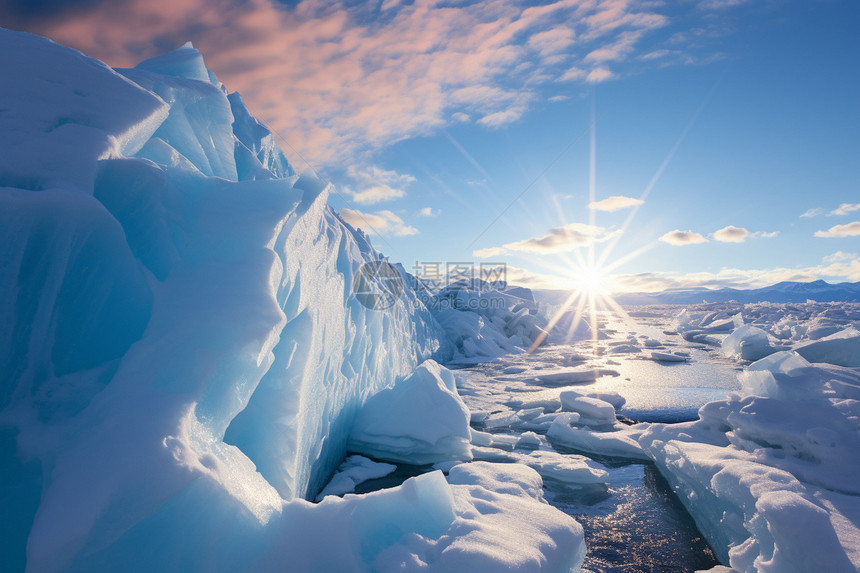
(590, 280)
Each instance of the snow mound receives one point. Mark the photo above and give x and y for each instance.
(421, 420)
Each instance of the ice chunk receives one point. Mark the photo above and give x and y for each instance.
(841, 348)
(666, 357)
(593, 411)
(353, 471)
(621, 442)
(421, 420)
(747, 343)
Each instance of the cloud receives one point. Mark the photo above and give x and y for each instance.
(598, 75)
(614, 203)
(764, 234)
(839, 256)
(379, 223)
(337, 79)
(848, 230)
(731, 234)
(375, 184)
(814, 212)
(678, 238)
(559, 239)
(846, 208)
(428, 212)
(489, 252)
(719, 4)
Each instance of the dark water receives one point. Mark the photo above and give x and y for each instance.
(638, 526)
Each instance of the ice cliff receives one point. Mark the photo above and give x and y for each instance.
(182, 356)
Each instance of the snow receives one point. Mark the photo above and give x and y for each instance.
(62, 111)
(841, 348)
(421, 420)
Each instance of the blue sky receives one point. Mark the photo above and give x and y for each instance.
(734, 118)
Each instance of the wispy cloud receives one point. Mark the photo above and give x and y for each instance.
(338, 79)
(598, 75)
(428, 212)
(614, 203)
(848, 230)
(846, 208)
(373, 184)
(379, 223)
(839, 256)
(678, 238)
(814, 212)
(560, 239)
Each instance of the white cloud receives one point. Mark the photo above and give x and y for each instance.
(489, 252)
(839, 256)
(814, 212)
(559, 239)
(848, 230)
(764, 234)
(428, 212)
(614, 203)
(846, 208)
(678, 238)
(380, 223)
(731, 234)
(375, 184)
(558, 98)
(376, 194)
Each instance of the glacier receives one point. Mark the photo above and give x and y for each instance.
(183, 360)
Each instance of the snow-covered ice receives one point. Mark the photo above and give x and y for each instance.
(421, 420)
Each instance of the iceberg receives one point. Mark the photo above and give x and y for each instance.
(184, 356)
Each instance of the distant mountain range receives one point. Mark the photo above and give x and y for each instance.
(786, 291)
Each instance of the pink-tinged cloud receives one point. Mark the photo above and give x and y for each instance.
(848, 230)
(598, 75)
(336, 78)
(678, 238)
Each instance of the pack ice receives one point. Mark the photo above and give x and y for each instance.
(770, 473)
(182, 362)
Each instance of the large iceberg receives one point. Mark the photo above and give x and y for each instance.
(182, 357)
